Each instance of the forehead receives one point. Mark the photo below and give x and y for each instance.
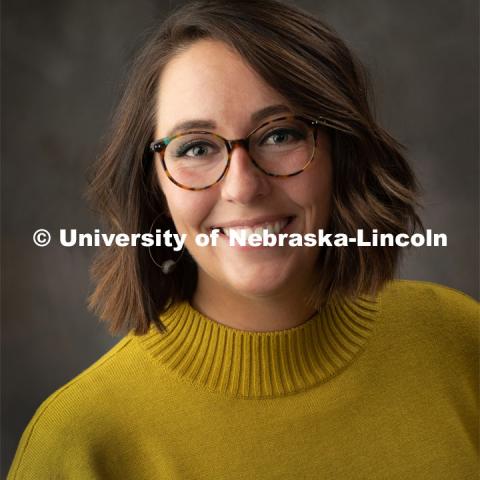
(211, 81)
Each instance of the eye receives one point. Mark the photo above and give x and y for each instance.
(196, 150)
(282, 136)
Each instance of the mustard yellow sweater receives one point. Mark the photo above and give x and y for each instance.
(371, 389)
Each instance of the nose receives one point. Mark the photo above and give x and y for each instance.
(244, 183)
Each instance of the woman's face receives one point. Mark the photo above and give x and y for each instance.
(211, 83)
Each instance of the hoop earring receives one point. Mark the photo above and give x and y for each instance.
(167, 266)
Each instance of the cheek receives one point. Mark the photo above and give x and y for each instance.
(314, 195)
(313, 188)
(188, 209)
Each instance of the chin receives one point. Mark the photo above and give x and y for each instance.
(259, 284)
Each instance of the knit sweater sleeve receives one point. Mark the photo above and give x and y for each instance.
(61, 439)
(51, 447)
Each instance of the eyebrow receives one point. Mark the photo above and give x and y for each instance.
(256, 117)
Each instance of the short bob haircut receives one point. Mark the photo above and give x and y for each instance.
(306, 62)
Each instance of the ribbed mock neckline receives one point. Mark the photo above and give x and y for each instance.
(250, 364)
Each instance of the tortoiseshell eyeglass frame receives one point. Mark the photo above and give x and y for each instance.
(159, 146)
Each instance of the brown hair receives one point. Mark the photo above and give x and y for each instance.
(306, 62)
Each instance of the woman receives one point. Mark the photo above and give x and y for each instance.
(270, 362)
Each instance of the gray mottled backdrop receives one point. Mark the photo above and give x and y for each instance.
(62, 65)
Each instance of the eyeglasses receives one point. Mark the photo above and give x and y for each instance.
(197, 160)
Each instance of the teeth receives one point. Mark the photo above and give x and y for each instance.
(272, 228)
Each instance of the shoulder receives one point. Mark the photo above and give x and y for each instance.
(430, 298)
(431, 314)
(92, 384)
(65, 426)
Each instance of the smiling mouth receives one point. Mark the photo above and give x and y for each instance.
(270, 227)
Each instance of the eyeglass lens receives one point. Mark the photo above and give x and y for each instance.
(198, 160)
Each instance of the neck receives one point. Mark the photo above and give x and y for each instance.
(279, 311)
